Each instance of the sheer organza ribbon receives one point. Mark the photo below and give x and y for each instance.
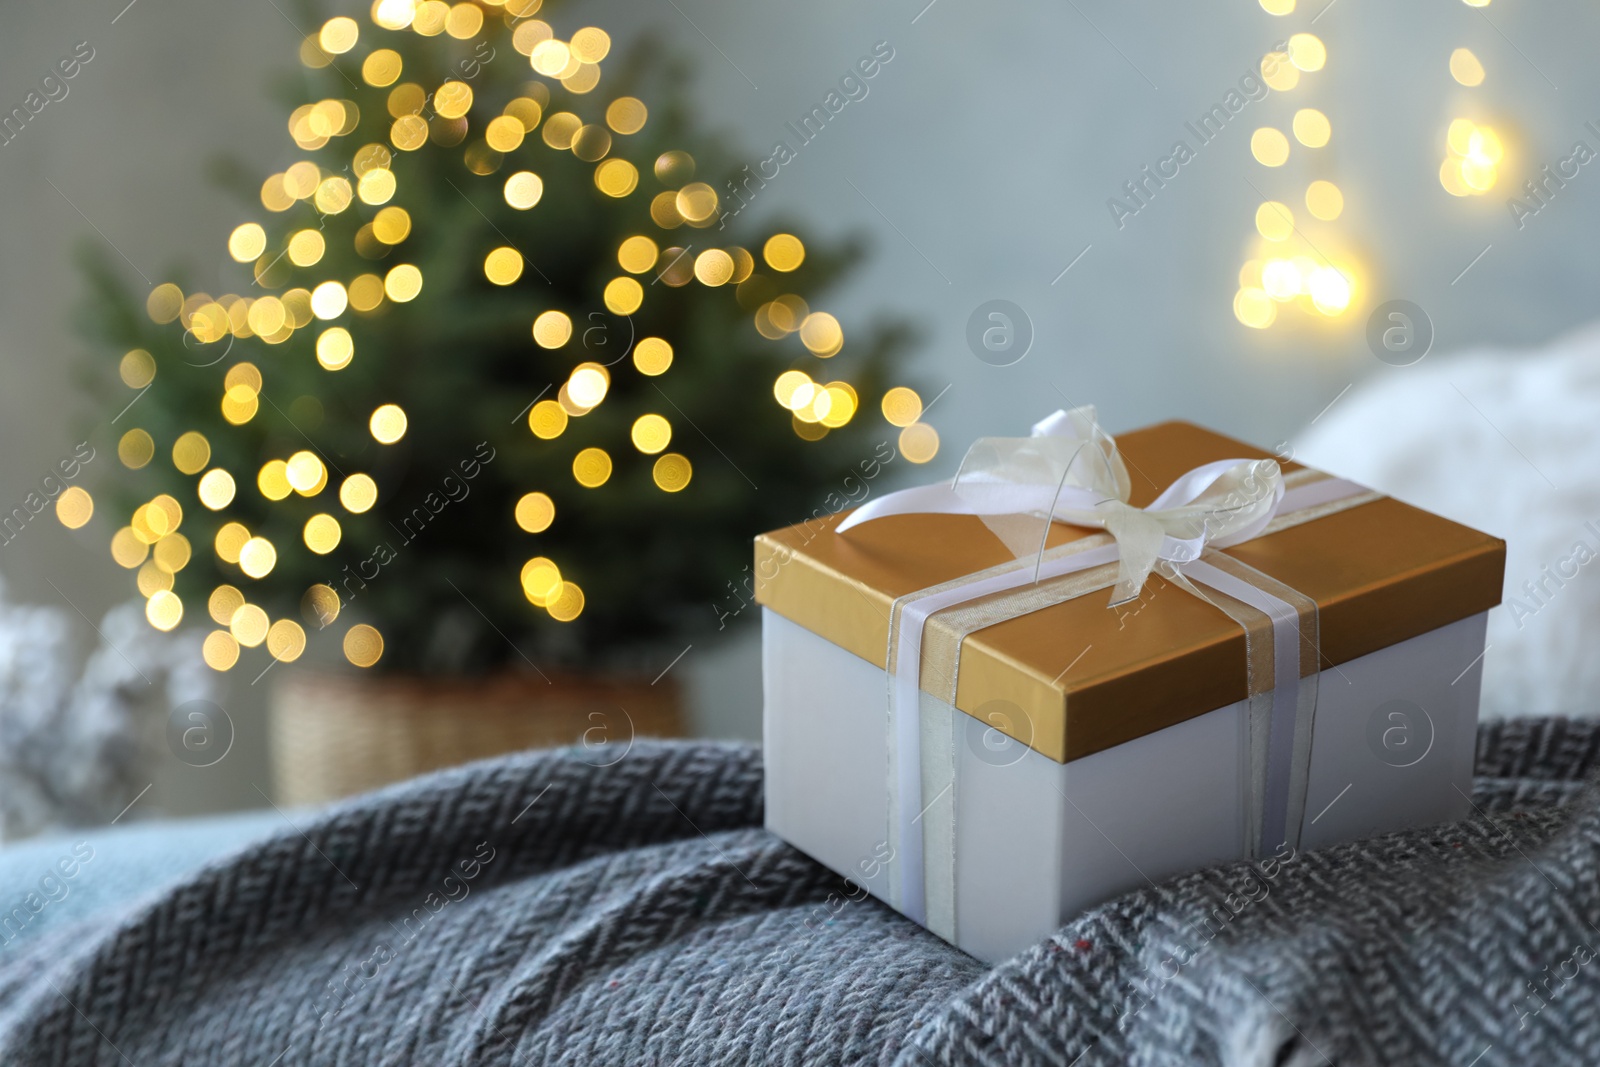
(1070, 471)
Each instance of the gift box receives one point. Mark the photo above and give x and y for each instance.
(1088, 664)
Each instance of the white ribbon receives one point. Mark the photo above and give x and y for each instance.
(1070, 471)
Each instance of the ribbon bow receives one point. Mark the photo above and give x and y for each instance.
(1070, 471)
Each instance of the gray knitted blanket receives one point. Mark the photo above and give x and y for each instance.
(540, 910)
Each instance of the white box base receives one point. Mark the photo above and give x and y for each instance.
(1038, 842)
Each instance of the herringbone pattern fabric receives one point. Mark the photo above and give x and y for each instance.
(540, 910)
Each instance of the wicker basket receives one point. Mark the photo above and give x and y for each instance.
(334, 735)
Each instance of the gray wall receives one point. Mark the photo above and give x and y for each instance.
(980, 163)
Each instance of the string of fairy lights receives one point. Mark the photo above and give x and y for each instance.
(152, 544)
(1294, 261)
(1472, 152)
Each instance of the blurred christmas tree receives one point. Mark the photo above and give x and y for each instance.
(500, 381)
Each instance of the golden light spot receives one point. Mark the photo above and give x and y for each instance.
(128, 549)
(137, 369)
(821, 334)
(333, 196)
(392, 225)
(172, 553)
(339, 35)
(301, 179)
(637, 254)
(358, 493)
(409, 132)
(713, 267)
(403, 283)
(191, 452)
(366, 292)
(224, 601)
(568, 603)
(135, 449)
(164, 610)
(591, 44)
(591, 143)
(550, 57)
(220, 650)
(901, 406)
(919, 442)
(388, 424)
(1274, 221)
(248, 625)
(275, 195)
(247, 242)
(1311, 127)
(623, 295)
(541, 579)
(535, 512)
(528, 35)
(216, 489)
(1277, 7)
(842, 405)
(552, 329)
(651, 433)
(1466, 68)
(1269, 146)
(560, 129)
(329, 300)
(526, 111)
(140, 524)
(319, 606)
(335, 348)
(286, 640)
(1483, 146)
(382, 68)
(547, 420)
(626, 114)
(257, 557)
(304, 470)
(523, 189)
(1324, 200)
(592, 467)
(376, 186)
(505, 134)
(1278, 72)
(616, 177)
(696, 202)
(1476, 3)
(1307, 51)
(245, 374)
(588, 384)
(74, 507)
(453, 100)
(674, 168)
(230, 540)
(164, 303)
(652, 356)
(783, 252)
(322, 533)
(664, 211)
(1254, 308)
(169, 511)
(789, 384)
(464, 21)
(503, 266)
(273, 480)
(672, 472)
(1329, 290)
(151, 579)
(305, 249)
(1280, 278)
